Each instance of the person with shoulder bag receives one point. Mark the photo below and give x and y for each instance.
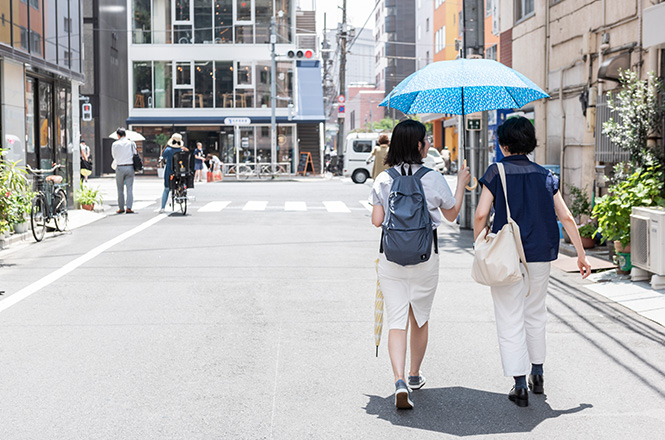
(408, 268)
(123, 151)
(527, 202)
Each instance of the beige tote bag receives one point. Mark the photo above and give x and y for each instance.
(497, 256)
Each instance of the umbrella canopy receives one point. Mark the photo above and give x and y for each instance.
(378, 311)
(129, 134)
(461, 87)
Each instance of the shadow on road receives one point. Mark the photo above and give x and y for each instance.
(464, 411)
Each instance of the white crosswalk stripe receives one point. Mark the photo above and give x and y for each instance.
(254, 205)
(336, 206)
(214, 206)
(295, 206)
(366, 205)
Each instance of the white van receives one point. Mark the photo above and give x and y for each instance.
(357, 148)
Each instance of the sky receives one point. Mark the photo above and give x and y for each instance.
(357, 12)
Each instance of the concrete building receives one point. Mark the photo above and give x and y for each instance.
(41, 68)
(202, 68)
(395, 48)
(424, 34)
(362, 107)
(573, 49)
(105, 67)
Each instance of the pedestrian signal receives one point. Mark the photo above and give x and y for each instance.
(300, 53)
(87, 112)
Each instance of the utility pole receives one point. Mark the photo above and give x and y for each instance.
(273, 93)
(342, 79)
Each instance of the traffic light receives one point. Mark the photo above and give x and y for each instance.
(307, 53)
(86, 112)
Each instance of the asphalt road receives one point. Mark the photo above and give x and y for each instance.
(258, 324)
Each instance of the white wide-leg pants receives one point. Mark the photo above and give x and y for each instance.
(521, 320)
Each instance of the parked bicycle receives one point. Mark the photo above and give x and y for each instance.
(260, 170)
(50, 203)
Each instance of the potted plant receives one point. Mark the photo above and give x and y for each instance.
(581, 210)
(161, 139)
(15, 195)
(19, 210)
(87, 196)
(587, 233)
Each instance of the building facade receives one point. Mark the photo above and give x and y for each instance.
(203, 68)
(40, 73)
(106, 85)
(424, 34)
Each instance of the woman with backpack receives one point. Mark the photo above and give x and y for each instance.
(534, 203)
(408, 273)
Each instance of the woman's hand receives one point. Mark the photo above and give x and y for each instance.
(584, 266)
(463, 177)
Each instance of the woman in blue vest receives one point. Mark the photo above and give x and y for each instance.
(409, 290)
(535, 203)
(173, 146)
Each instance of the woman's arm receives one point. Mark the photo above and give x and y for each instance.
(378, 215)
(568, 222)
(463, 178)
(482, 212)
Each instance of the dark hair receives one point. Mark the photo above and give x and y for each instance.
(120, 132)
(82, 141)
(517, 135)
(405, 143)
(384, 139)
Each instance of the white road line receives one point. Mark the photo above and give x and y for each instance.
(336, 206)
(366, 205)
(74, 264)
(254, 205)
(295, 206)
(214, 207)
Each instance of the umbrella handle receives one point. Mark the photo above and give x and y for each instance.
(475, 181)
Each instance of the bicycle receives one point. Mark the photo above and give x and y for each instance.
(179, 178)
(49, 204)
(260, 170)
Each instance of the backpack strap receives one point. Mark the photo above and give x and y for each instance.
(392, 172)
(422, 171)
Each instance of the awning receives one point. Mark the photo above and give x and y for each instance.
(200, 120)
(310, 92)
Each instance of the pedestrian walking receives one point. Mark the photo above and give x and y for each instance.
(409, 289)
(535, 202)
(86, 163)
(173, 146)
(198, 162)
(123, 151)
(379, 154)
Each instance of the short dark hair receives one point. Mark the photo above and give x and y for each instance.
(517, 135)
(405, 143)
(120, 132)
(384, 139)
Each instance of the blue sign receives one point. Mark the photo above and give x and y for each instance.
(341, 109)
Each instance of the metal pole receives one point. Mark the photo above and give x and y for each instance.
(273, 95)
(342, 79)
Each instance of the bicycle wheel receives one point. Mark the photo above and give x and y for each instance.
(38, 218)
(243, 172)
(60, 214)
(182, 200)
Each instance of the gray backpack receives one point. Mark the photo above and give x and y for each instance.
(407, 228)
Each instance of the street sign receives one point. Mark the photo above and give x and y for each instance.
(341, 109)
(341, 99)
(473, 124)
(87, 112)
(237, 121)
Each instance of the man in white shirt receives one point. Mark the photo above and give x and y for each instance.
(123, 151)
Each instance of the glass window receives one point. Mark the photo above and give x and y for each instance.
(245, 34)
(362, 146)
(262, 14)
(223, 21)
(203, 83)
(163, 84)
(161, 18)
(203, 21)
(142, 84)
(64, 32)
(263, 84)
(285, 143)
(523, 8)
(223, 84)
(182, 34)
(5, 27)
(75, 42)
(182, 12)
(36, 28)
(244, 74)
(183, 73)
(244, 98)
(184, 98)
(263, 150)
(244, 10)
(284, 22)
(30, 116)
(49, 31)
(141, 34)
(45, 134)
(284, 82)
(247, 147)
(20, 22)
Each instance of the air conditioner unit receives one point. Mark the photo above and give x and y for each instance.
(647, 242)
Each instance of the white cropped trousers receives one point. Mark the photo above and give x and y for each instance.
(521, 320)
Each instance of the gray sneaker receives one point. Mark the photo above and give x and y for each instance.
(402, 396)
(416, 382)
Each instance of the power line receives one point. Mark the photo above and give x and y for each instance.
(365, 24)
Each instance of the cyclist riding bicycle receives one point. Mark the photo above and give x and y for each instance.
(173, 146)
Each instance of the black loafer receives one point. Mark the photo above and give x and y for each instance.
(536, 383)
(519, 396)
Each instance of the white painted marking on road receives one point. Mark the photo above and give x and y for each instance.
(366, 205)
(254, 205)
(214, 207)
(74, 264)
(336, 206)
(274, 391)
(295, 206)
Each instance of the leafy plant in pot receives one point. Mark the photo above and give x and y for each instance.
(581, 210)
(87, 196)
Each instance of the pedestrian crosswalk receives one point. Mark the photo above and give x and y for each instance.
(331, 206)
